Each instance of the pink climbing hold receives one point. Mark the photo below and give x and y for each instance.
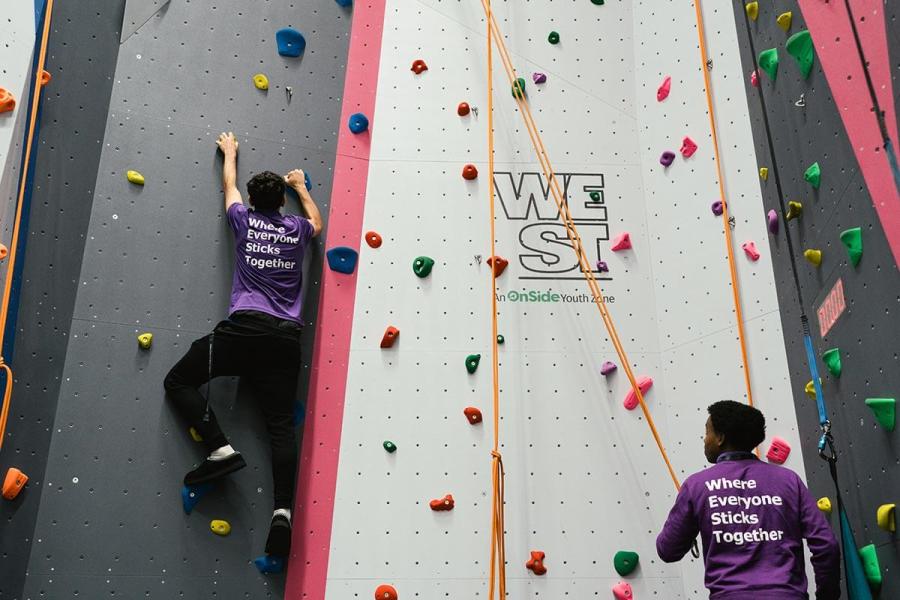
(631, 400)
(688, 147)
(622, 591)
(717, 208)
(750, 250)
(666, 158)
(607, 368)
(754, 78)
(621, 242)
(772, 221)
(779, 450)
(663, 91)
(539, 77)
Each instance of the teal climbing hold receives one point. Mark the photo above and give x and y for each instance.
(500, 339)
(472, 361)
(768, 62)
(596, 196)
(871, 568)
(813, 175)
(885, 411)
(290, 42)
(344, 3)
(191, 495)
(852, 239)
(832, 360)
(389, 446)
(518, 89)
(800, 47)
(269, 564)
(625, 562)
(342, 259)
(422, 266)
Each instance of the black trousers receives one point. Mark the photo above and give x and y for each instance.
(265, 352)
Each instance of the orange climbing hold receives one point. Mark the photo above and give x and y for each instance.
(373, 239)
(473, 415)
(13, 483)
(470, 172)
(4, 251)
(418, 66)
(442, 504)
(45, 78)
(390, 336)
(385, 592)
(499, 264)
(7, 102)
(536, 563)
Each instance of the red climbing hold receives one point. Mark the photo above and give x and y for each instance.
(473, 415)
(7, 102)
(418, 66)
(499, 264)
(470, 172)
(750, 250)
(688, 147)
(385, 592)
(754, 78)
(442, 504)
(622, 591)
(631, 399)
(536, 563)
(390, 336)
(373, 239)
(779, 450)
(621, 242)
(463, 109)
(663, 91)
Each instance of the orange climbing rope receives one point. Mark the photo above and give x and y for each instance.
(7, 288)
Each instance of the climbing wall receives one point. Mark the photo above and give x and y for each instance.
(834, 126)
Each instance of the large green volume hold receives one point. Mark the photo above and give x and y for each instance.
(870, 565)
(885, 411)
(768, 62)
(800, 46)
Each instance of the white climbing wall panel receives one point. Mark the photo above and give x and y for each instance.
(583, 475)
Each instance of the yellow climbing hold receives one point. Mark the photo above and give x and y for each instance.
(795, 209)
(824, 504)
(261, 81)
(135, 177)
(219, 527)
(810, 389)
(886, 517)
(813, 256)
(752, 9)
(195, 435)
(784, 20)
(764, 173)
(145, 340)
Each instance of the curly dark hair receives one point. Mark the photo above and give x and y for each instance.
(743, 426)
(266, 191)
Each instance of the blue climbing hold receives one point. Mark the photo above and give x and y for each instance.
(342, 259)
(269, 564)
(299, 413)
(358, 123)
(290, 42)
(344, 3)
(307, 181)
(191, 494)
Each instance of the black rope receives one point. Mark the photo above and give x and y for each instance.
(879, 114)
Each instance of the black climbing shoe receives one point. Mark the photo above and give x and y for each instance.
(213, 469)
(279, 541)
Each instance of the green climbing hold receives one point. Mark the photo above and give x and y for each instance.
(598, 2)
(768, 62)
(625, 562)
(472, 361)
(813, 175)
(832, 360)
(885, 411)
(390, 446)
(518, 89)
(553, 38)
(800, 46)
(500, 339)
(596, 196)
(870, 565)
(852, 239)
(422, 266)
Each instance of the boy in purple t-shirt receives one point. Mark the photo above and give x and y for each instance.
(752, 517)
(260, 340)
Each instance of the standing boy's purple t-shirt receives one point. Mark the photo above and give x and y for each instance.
(752, 518)
(268, 263)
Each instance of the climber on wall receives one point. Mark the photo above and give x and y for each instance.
(752, 517)
(260, 339)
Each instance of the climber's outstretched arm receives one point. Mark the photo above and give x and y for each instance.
(229, 147)
(296, 180)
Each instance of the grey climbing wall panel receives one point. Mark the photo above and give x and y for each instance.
(81, 57)
(138, 12)
(158, 259)
(869, 458)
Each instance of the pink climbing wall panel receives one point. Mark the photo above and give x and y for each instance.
(835, 48)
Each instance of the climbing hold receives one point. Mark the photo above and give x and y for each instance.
(220, 527)
(784, 20)
(598, 2)
(800, 47)
(813, 175)
(596, 196)
(344, 3)
(269, 564)
(870, 564)
(768, 62)
(602, 267)
(469, 172)
(772, 221)
(307, 181)
(779, 450)
(473, 415)
(824, 504)
(418, 66)
(717, 208)
(500, 339)
(750, 250)
(45, 78)
(752, 9)
(621, 242)
(13, 483)
(553, 38)
(539, 78)
(518, 89)
(795, 209)
(886, 517)
(389, 446)
(607, 368)
(764, 173)
(463, 109)
(666, 158)
(7, 101)
(662, 92)
(754, 77)
(261, 81)
(145, 340)
(535, 564)
(134, 177)
(885, 411)
(390, 336)
(688, 147)
(442, 504)
(814, 256)
(631, 400)
(358, 123)
(498, 264)
(422, 266)
(810, 388)
(342, 259)
(195, 435)
(472, 361)
(191, 494)
(385, 592)
(373, 239)
(625, 562)
(290, 42)
(4, 251)
(622, 591)
(852, 240)
(832, 360)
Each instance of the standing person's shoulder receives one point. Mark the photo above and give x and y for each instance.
(305, 229)
(236, 215)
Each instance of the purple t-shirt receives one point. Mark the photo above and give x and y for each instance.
(268, 261)
(752, 517)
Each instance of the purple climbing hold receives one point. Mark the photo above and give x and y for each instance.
(602, 267)
(607, 368)
(772, 221)
(718, 208)
(539, 77)
(666, 158)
